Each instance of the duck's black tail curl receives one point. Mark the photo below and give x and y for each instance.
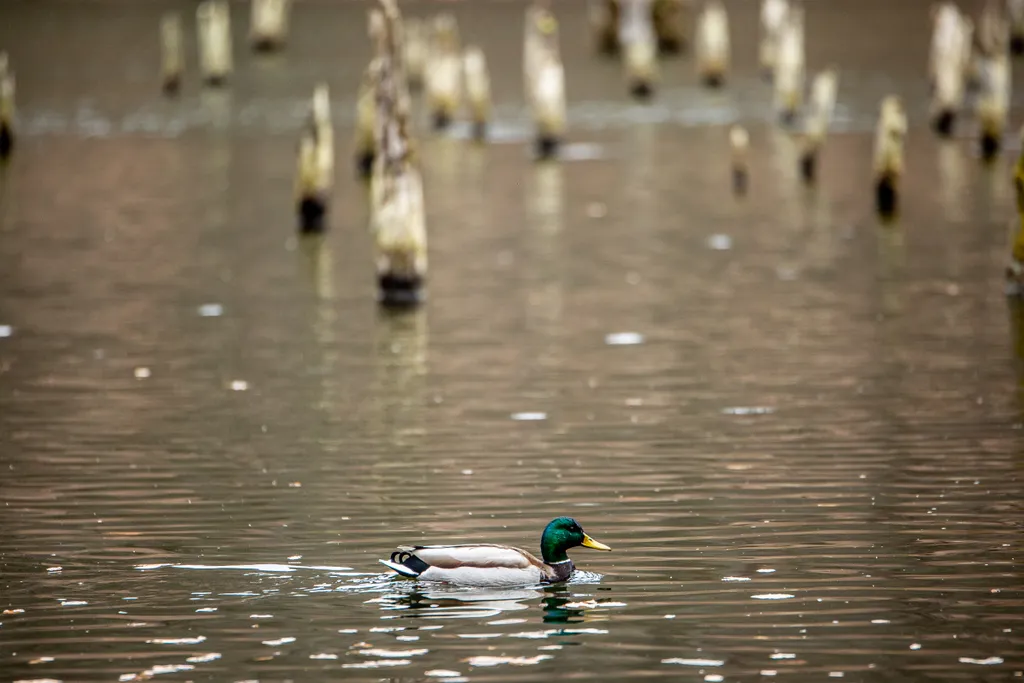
(406, 559)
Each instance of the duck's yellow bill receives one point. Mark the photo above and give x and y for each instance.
(591, 543)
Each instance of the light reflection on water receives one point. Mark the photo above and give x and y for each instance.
(804, 447)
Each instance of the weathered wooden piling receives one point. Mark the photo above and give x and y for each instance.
(397, 213)
(315, 173)
(478, 90)
(172, 55)
(213, 21)
(444, 72)
(773, 18)
(417, 50)
(6, 107)
(993, 102)
(888, 165)
(636, 35)
(823, 104)
(671, 19)
(268, 29)
(739, 144)
(948, 63)
(789, 76)
(1015, 268)
(365, 135)
(544, 77)
(712, 44)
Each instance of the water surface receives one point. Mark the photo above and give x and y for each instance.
(807, 457)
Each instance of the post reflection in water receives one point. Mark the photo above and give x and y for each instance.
(892, 261)
(398, 393)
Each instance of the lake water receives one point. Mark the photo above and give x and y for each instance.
(799, 430)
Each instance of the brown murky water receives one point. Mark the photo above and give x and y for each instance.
(809, 465)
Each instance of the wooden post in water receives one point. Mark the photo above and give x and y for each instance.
(398, 220)
(948, 64)
(269, 24)
(544, 77)
(1015, 15)
(993, 102)
(888, 166)
(712, 44)
(672, 19)
(315, 173)
(213, 21)
(773, 19)
(823, 104)
(636, 35)
(171, 52)
(1015, 269)
(417, 50)
(739, 143)
(478, 90)
(444, 72)
(789, 75)
(6, 107)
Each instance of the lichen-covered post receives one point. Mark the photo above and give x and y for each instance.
(1015, 269)
(6, 107)
(444, 72)
(213, 19)
(396, 195)
(315, 172)
(478, 90)
(172, 58)
(712, 44)
(544, 78)
(888, 166)
(823, 104)
(790, 71)
(636, 35)
(739, 144)
(268, 29)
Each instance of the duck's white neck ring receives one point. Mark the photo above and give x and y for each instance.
(562, 562)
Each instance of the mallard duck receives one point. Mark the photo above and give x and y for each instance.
(789, 65)
(892, 128)
(823, 103)
(213, 21)
(172, 60)
(6, 108)
(486, 564)
(269, 28)
(712, 44)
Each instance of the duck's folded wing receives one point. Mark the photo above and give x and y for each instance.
(477, 555)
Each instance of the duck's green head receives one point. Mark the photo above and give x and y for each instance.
(560, 535)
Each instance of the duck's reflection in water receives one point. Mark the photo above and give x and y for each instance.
(455, 603)
(558, 607)
(559, 604)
